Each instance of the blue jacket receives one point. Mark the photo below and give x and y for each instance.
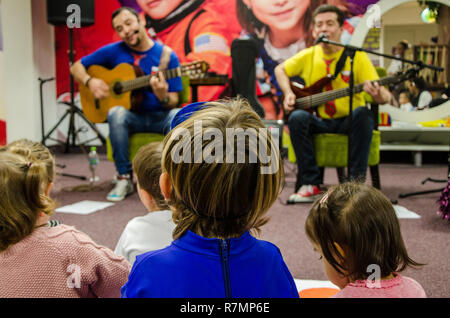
(198, 267)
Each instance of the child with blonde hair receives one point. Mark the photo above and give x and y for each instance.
(152, 231)
(356, 231)
(218, 192)
(41, 261)
(36, 151)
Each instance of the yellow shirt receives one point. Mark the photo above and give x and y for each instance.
(309, 64)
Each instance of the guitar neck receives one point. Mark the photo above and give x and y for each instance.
(144, 81)
(321, 98)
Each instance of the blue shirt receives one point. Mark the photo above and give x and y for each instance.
(197, 267)
(111, 55)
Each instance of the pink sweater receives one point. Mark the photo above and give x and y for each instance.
(61, 262)
(397, 287)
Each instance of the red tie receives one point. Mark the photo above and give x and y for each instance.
(330, 107)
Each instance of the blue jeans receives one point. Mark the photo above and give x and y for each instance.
(123, 123)
(303, 125)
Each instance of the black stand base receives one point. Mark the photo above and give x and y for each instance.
(405, 195)
(72, 132)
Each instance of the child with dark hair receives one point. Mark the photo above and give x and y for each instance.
(420, 96)
(217, 198)
(405, 101)
(356, 231)
(152, 231)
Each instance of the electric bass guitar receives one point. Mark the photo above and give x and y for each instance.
(125, 82)
(313, 96)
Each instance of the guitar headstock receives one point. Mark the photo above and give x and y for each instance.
(196, 69)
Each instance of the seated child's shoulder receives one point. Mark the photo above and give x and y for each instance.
(164, 255)
(413, 285)
(270, 247)
(67, 233)
(69, 240)
(265, 249)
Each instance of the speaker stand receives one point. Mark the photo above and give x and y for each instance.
(72, 133)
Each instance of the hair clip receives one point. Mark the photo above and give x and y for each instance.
(324, 198)
(185, 113)
(28, 164)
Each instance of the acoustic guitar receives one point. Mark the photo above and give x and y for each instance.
(125, 82)
(313, 96)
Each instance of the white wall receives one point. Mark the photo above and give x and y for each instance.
(28, 54)
(44, 63)
(2, 94)
(406, 13)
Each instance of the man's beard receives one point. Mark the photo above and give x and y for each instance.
(138, 42)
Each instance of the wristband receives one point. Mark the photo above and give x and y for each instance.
(87, 82)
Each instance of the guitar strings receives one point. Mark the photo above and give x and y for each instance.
(143, 80)
(320, 98)
(194, 68)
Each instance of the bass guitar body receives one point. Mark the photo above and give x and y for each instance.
(96, 110)
(316, 88)
(304, 92)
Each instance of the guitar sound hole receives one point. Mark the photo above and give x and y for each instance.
(117, 88)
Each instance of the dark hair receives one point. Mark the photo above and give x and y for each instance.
(404, 44)
(406, 92)
(330, 8)
(116, 13)
(419, 82)
(249, 22)
(147, 167)
(363, 222)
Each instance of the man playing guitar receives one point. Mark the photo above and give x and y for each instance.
(313, 64)
(158, 105)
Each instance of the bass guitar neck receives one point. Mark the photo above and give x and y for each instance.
(312, 96)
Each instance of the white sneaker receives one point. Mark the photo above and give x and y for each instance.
(122, 188)
(306, 193)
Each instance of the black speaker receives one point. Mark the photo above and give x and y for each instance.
(57, 11)
(243, 56)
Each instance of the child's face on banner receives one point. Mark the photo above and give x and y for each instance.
(278, 14)
(158, 9)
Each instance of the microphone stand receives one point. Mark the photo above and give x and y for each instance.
(351, 50)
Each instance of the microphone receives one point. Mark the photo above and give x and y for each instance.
(320, 38)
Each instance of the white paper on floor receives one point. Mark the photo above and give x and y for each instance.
(303, 284)
(84, 207)
(404, 213)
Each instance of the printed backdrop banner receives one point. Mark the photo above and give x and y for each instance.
(2, 102)
(204, 30)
